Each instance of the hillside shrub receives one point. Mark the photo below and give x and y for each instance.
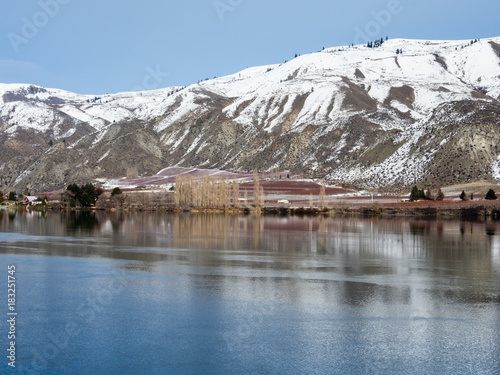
(490, 195)
(116, 191)
(416, 194)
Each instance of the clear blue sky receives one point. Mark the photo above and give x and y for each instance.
(98, 47)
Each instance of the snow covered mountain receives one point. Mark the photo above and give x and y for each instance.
(406, 111)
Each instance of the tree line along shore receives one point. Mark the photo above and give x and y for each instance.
(208, 194)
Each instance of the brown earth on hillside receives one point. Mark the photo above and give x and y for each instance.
(404, 94)
(441, 61)
(356, 98)
(496, 48)
(359, 74)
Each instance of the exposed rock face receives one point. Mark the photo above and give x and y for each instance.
(356, 115)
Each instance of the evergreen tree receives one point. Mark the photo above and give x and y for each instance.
(75, 189)
(12, 196)
(490, 195)
(88, 195)
(416, 194)
(1, 196)
(116, 191)
(85, 199)
(462, 195)
(85, 194)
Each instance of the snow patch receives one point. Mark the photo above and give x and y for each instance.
(496, 169)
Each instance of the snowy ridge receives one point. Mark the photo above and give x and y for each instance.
(334, 113)
(439, 71)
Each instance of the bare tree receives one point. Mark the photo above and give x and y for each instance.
(434, 193)
(236, 194)
(256, 190)
(322, 197)
(257, 194)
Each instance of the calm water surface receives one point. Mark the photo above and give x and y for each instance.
(142, 293)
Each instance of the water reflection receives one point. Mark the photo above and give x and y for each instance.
(282, 235)
(80, 222)
(330, 249)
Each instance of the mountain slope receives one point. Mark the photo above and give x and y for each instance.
(359, 115)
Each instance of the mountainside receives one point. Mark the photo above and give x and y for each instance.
(358, 115)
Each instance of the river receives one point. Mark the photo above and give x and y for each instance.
(156, 293)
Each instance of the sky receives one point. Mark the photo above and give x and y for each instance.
(99, 47)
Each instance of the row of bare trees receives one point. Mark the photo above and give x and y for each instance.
(209, 192)
(322, 202)
(205, 192)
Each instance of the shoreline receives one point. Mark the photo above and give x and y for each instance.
(431, 209)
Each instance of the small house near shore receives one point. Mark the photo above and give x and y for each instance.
(31, 200)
